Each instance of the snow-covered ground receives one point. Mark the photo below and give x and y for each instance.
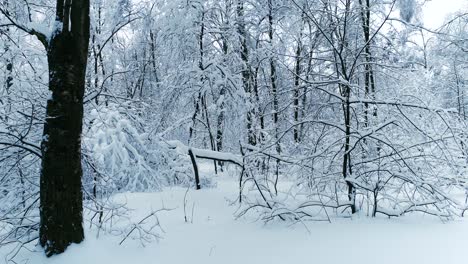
(215, 236)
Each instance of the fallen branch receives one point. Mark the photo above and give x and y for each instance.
(206, 154)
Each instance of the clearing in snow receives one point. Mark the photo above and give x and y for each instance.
(212, 234)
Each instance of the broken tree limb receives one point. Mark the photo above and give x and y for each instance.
(207, 154)
(195, 153)
(195, 169)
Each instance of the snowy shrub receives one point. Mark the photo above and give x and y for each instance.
(119, 156)
(118, 151)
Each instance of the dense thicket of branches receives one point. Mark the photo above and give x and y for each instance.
(334, 107)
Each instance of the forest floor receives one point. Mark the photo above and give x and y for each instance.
(214, 235)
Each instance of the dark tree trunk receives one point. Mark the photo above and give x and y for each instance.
(346, 169)
(220, 127)
(222, 92)
(194, 118)
(246, 73)
(200, 96)
(369, 82)
(273, 77)
(195, 169)
(259, 110)
(61, 194)
(274, 90)
(97, 54)
(220, 119)
(9, 70)
(297, 78)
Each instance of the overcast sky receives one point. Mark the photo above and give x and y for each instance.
(435, 11)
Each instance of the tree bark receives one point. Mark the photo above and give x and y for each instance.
(369, 82)
(60, 182)
(222, 92)
(195, 169)
(9, 70)
(273, 75)
(246, 73)
(297, 83)
(346, 169)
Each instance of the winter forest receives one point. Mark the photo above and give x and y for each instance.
(233, 131)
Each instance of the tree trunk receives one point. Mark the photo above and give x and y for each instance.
(60, 183)
(297, 79)
(195, 169)
(346, 169)
(273, 78)
(222, 92)
(369, 82)
(220, 126)
(9, 71)
(246, 73)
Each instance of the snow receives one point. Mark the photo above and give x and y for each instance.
(205, 154)
(216, 236)
(38, 27)
(42, 28)
(57, 27)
